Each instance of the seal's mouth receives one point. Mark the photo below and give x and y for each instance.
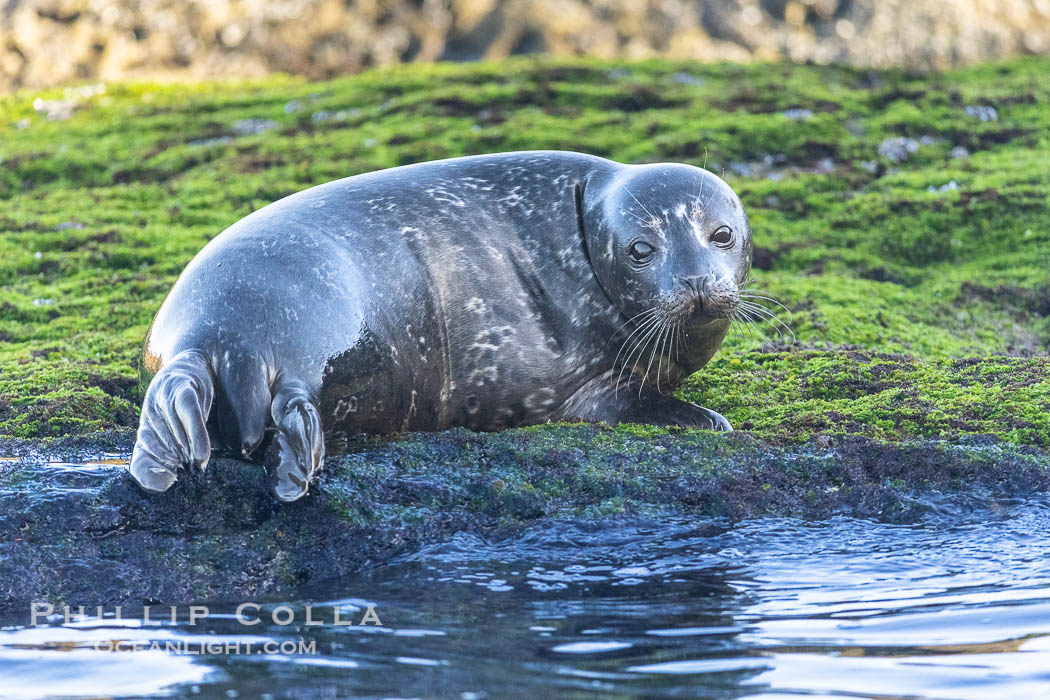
(684, 303)
(705, 299)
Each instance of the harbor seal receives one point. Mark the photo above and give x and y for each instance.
(487, 292)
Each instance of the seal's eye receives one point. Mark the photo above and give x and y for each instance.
(723, 237)
(641, 251)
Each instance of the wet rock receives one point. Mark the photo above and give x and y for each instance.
(744, 169)
(72, 99)
(985, 113)
(687, 78)
(823, 166)
(214, 141)
(54, 110)
(798, 114)
(898, 148)
(386, 499)
(251, 127)
(49, 42)
(947, 187)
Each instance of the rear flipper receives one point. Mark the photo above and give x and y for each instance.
(297, 450)
(173, 431)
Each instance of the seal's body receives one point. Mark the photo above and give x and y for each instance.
(485, 292)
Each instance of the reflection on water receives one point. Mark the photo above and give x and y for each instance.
(954, 606)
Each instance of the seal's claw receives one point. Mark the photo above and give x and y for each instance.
(688, 415)
(297, 450)
(717, 420)
(150, 474)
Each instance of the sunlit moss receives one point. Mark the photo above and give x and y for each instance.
(895, 270)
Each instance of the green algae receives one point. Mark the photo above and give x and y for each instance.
(891, 397)
(918, 287)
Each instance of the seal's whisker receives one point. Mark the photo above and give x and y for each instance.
(748, 324)
(649, 318)
(757, 293)
(764, 314)
(671, 331)
(657, 341)
(639, 348)
(776, 324)
(654, 354)
(658, 348)
(647, 329)
(668, 346)
(757, 317)
(734, 328)
(674, 345)
(623, 325)
(652, 216)
(753, 329)
(749, 327)
(743, 331)
(637, 334)
(643, 317)
(674, 342)
(677, 339)
(642, 221)
(664, 337)
(753, 301)
(751, 294)
(697, 212)
(752, 323)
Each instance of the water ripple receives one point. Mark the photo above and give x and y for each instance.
(954, 605)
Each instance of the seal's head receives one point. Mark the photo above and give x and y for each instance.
(674, 241)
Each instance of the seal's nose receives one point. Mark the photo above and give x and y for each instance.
(721, 296)
(717, 297)
(694, 305)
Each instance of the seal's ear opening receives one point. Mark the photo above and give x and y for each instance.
(578, 195)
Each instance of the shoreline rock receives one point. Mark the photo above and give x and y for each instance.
(91, 537)
(50, 42)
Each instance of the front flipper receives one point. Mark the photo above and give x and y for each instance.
(297, 450)
(603, 405)
(671, 411)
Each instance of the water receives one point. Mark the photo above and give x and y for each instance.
(956, 605)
